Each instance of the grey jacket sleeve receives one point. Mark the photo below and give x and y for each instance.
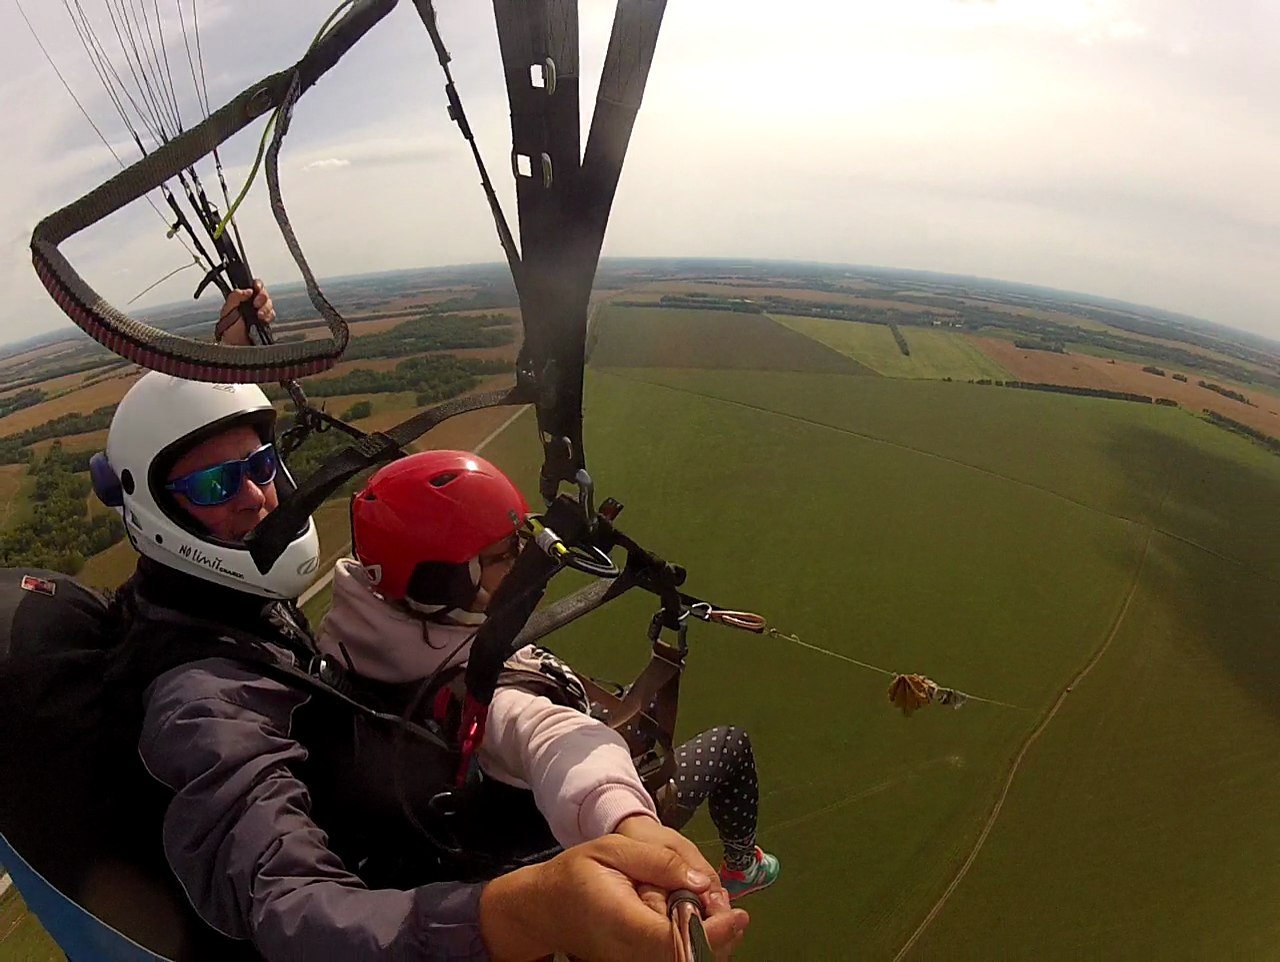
(239, 836)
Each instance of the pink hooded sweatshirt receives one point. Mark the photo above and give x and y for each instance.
(580, 770)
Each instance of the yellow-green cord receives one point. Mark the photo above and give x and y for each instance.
(266, 133)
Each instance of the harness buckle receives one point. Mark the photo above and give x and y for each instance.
(326, 669)
(659, 621)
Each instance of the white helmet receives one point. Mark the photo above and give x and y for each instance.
(158, 420)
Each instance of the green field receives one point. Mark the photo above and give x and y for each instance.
(669, 337)
(990, 540)
(16, 486)
(1144, 826)
(935, 353)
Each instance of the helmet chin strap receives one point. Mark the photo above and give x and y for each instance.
(442, 612)
(455, 613)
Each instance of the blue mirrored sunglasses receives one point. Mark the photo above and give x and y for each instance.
(219, 483)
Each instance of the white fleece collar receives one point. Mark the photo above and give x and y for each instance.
(384, 642)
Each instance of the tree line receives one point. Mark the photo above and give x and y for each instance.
(1081, 391)
(433, 332)
(23, 399)
(901, 341)
(485, 297)
(1040, 344)
(60, 534)
(1226, 392)
(16, 448)
(433, 377)
(699, 302)
(1266, 440)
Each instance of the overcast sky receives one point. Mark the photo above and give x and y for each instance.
(1126, 148)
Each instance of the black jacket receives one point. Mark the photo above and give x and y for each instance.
(258, 813)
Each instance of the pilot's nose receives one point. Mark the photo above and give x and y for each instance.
(250, 497)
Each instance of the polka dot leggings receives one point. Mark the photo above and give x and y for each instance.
(718, 767)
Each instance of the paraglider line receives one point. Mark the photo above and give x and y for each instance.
(88, 41)
(160, 57)
(67, 86)
(96, 129)
(795, 640)
(266, 133)
(204, 82)
(153, 123)
(177, 270)
(775, 633)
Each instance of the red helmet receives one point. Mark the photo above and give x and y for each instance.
(421, 522)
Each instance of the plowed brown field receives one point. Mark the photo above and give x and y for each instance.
(1082, 370)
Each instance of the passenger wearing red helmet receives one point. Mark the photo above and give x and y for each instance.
(434, 534)
(437, 531)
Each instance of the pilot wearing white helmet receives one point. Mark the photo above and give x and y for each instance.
(192, 468)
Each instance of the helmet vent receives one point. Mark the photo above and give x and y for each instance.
(440, 480)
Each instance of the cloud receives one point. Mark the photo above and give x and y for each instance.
(329, 163)
(373, 150)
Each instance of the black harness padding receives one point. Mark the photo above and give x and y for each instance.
(78, 804)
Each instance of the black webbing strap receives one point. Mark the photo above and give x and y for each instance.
(572, 607)
(507, 613)
(321, 303)
(632, 44)
(643, 570)
(410, 429)
(564, 200)
(149, 346)
(205, 639)
(516, 598)
(270, 538)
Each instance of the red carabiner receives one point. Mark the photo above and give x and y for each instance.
(471, 729)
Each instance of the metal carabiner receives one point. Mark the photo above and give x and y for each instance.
(701, 610)
(744, 620)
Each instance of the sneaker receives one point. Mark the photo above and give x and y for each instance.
(761, 873)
